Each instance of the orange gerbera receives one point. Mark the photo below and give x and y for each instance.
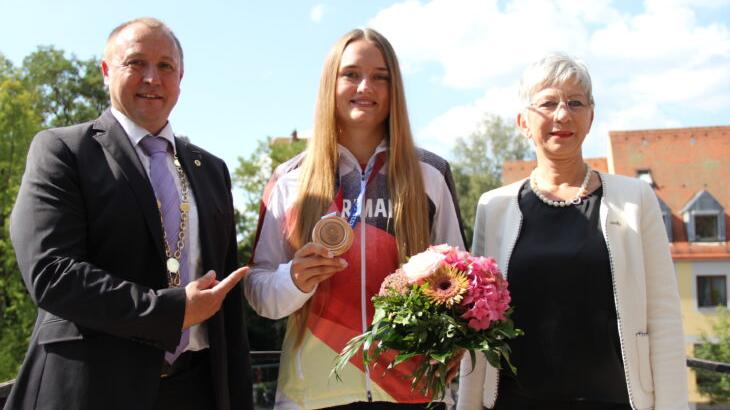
(446, 286)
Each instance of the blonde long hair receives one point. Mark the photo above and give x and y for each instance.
(319, 168)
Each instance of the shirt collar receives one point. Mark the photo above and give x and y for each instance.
(136, 133)
(345, 153)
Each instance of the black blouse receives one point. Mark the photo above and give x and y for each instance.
(560, 282)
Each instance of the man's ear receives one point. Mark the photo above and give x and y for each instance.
(105, 72)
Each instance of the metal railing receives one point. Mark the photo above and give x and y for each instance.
(708, 365)
(265, 365)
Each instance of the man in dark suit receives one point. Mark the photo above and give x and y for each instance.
(113, 237)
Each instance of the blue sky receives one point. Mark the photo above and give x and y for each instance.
(252, 67)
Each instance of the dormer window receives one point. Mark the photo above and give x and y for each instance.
(645, 175)
(704, 218)
(666, 218)
(707, 227)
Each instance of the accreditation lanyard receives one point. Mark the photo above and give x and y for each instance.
(371, 171)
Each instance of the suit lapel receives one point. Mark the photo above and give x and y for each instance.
(191, 162)
(112, 137)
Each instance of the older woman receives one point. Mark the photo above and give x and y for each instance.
(589, 270)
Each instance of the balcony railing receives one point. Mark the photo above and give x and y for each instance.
(266, 367)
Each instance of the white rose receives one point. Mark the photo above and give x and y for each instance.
(422, 265)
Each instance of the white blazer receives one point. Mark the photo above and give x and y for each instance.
(644, 289)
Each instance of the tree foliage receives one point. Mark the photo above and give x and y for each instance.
(47, 90)
(68, 90)
(251, 177)
(478, 159)
(716, 348)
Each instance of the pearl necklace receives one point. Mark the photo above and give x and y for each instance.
(560, 204)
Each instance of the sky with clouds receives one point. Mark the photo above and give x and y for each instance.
(661, 64)
(252, 68)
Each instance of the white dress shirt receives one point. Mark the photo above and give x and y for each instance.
(198, 335)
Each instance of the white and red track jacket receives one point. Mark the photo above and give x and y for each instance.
(341, 306)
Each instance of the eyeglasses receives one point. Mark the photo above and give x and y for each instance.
(549, 106)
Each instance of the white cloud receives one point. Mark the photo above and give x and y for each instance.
(696, 3)
(474, 41)
(317, 13)
(664, 32)
(647, 66)
(462, 120)
(682, 84)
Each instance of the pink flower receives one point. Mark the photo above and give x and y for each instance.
(487, 298)
(422, 265)
(454, 257)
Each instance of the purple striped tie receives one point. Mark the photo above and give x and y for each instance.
(167, 194)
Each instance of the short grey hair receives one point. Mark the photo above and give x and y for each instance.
(554, 69)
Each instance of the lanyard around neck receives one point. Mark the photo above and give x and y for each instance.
(371, 170)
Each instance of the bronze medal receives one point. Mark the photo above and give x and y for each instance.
(334, 233)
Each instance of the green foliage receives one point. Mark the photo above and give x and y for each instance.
(716, 348)
(477, 163)
(68, 90)
(6, 67)
(18, 123)
(49, 90)
(412, 325)
(251, 177)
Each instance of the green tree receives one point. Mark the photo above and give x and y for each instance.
(478, 159)
(48, 90)
(716, 348)
(251, 177)
(69, 90)
(18, 123)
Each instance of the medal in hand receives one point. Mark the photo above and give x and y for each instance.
(334, 233)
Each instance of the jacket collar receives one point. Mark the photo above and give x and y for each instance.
(122, 155)
(348, 161)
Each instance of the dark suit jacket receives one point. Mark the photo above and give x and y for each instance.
(88, 240)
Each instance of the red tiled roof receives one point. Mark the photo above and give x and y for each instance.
(682, 162)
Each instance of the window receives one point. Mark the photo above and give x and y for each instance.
(645, 175)
(666, 218)
(704, 218)
(711, 291)
(706, 228)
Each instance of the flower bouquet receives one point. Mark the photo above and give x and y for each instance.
(440, 303)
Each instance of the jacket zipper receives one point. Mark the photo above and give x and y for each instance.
(504, 272)
(616, 300)
(363, 276)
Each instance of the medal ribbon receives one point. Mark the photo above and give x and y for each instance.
(371, 170)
